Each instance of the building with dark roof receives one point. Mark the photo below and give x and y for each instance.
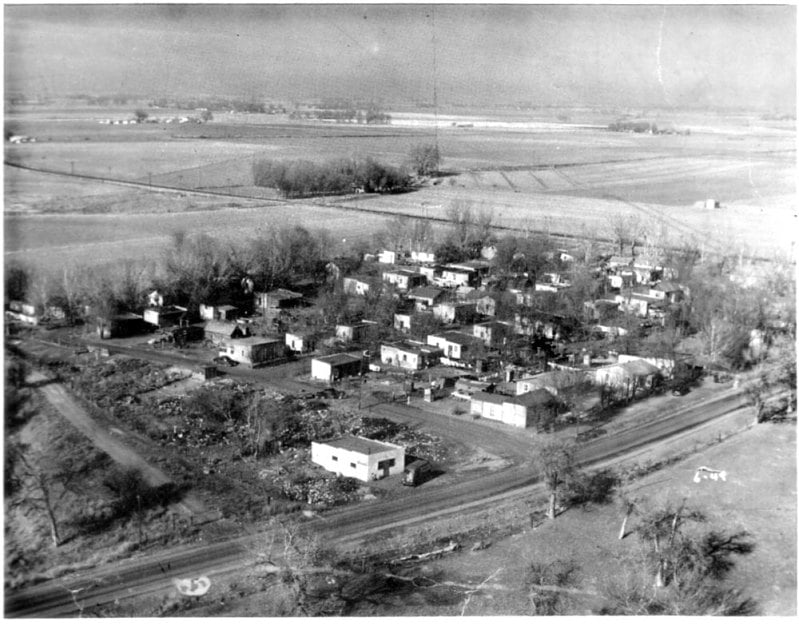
(336, 366)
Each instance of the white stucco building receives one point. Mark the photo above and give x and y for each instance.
(358, 457)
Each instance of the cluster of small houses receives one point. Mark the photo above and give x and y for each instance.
(17, 139)
(183, 119)
(518, 396)
(451, 293)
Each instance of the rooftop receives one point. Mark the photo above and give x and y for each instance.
(456, 336)
(283, 293)
(253, 341)
(535, 397)
(425, 292)
(339, 359)
(362, 445)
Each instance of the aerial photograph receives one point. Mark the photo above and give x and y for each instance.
(399, 310)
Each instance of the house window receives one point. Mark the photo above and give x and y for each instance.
(335, 458)
(391, 463)
(352, 465)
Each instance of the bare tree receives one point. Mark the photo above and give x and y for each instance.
(555, 461)
(45, 483)
(425, 159)
(629, 504)
(660, 528)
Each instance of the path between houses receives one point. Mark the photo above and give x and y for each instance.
(104, 440)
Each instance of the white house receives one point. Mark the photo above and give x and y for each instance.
(425, 297)
(423, 257)
(335, 367)
(520, 411)
(402, 322)
(410, 355)
(388, 257)
(455, 277)
(219, 312)
(455, 345)
(252, 351)
(404, 279)
(360, 458)
(299, 342)
(451, 312)
(493, 334)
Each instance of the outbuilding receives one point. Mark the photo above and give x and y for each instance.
(252, 351)
(336, 366)
(360, 458)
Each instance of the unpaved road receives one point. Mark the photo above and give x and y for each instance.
(61, 400)
(122, 580)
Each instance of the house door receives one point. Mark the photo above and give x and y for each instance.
(383, 467)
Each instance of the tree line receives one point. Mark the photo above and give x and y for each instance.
(301, 178)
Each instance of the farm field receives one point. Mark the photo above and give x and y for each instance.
(561, 179)
(51, 241)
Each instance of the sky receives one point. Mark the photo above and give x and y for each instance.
(576, 55)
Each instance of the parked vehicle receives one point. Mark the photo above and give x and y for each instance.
(416, 472)
(225, 360)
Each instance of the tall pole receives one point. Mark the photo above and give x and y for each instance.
(435, 82)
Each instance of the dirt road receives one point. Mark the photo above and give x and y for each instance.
(109, 442)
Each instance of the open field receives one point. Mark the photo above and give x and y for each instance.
(559, 179)
(763, 502)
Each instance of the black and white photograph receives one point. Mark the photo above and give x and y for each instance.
(399, 310)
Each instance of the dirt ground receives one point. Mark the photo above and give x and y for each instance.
(759, 496)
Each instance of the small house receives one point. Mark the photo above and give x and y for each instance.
(300, 342)
(455, 312)
(277, 299)
(425, 297)
(521, 411)
(409, 355)
(455, 345)
(493, 334)
(456, 277)
(252, 351)
(357, 332)
(219, 312)
(360, 285)
(387, 257)
(336, 366)
(23, 311)
(628, 377)
(121, 325)
(402, 322)
(404, 279)
(423, 257)
(165, 316)
(360, 458)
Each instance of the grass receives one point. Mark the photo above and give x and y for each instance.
(759, 496)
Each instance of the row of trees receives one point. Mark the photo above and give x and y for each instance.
(193, 269)
(296, 179)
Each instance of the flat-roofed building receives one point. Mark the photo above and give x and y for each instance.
(360, 458)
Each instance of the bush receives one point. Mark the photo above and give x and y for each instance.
(596, 488)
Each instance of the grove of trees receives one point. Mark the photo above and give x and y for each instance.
(300, 178)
